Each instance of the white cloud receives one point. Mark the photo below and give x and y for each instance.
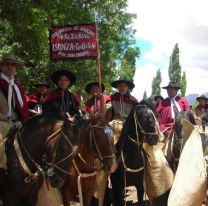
(164, 23)
(143, 80)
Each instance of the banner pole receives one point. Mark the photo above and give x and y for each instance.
(99, 68)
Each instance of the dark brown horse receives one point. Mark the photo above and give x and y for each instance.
(96, 142)
(183, 125)
(140, 126)
(44, 147)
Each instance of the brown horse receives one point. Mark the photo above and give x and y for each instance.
(96, 142)
(43, 147)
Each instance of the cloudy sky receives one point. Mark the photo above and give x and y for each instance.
(160, 24)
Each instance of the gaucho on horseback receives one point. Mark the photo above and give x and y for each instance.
(169, 107)
(13, 105)
(35, 100)
(61, 100)
(97, 100)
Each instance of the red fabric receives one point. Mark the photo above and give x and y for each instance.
(89, 105)
(164, 111)
(32, 98)
(127, 98)
(23, 111)
(56, 94)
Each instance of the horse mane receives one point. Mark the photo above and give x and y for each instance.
(50, 117)
(149, 102)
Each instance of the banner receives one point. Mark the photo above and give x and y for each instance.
(73, 42)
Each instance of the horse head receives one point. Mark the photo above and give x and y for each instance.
(179, 123)
(141, 125)
(101, 140)
(60, 149)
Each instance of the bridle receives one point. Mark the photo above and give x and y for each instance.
(53, 163)
(108, 131)
(140, 129)
(49, 165)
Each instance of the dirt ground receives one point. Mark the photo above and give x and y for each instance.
(131, 198)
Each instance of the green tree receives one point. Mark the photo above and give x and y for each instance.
(145, 95)
(128, 63)
(183, 84)
(156, 89)
(24, 30)
(174, 66)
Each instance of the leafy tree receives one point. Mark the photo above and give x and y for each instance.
(174, 66)
(156, 89)
(128, 63)
(24, 30)
(183, 84)
(145, 95)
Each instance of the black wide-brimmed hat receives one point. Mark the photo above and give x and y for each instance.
(42, 83)
(62, 72)
(10, 58)
(158, 96)
(91, 84)
(201, 97)
(129, 83)
(172, 85)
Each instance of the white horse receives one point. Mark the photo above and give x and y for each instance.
(190, 183)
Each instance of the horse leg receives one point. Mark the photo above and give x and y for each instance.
(66, 196)
(140, 194)
(9, 199)
(161, 200)
(101, 184)
(88, 188)
(118, 188)
(107, 197)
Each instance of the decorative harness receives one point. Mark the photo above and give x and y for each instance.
(33, 176)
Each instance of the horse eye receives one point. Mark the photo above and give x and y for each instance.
(108, 131)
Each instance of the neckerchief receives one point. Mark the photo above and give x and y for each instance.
(12, 86)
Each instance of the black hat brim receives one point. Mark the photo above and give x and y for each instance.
(198, 98)
(91, 84)
(18, 64)
(42, 84)
(57, 74)
(156, 97)
(129, 83)
(174, 87)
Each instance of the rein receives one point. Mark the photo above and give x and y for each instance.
(142, 131)
(32, 176)
(92, 137)
(49, 172)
